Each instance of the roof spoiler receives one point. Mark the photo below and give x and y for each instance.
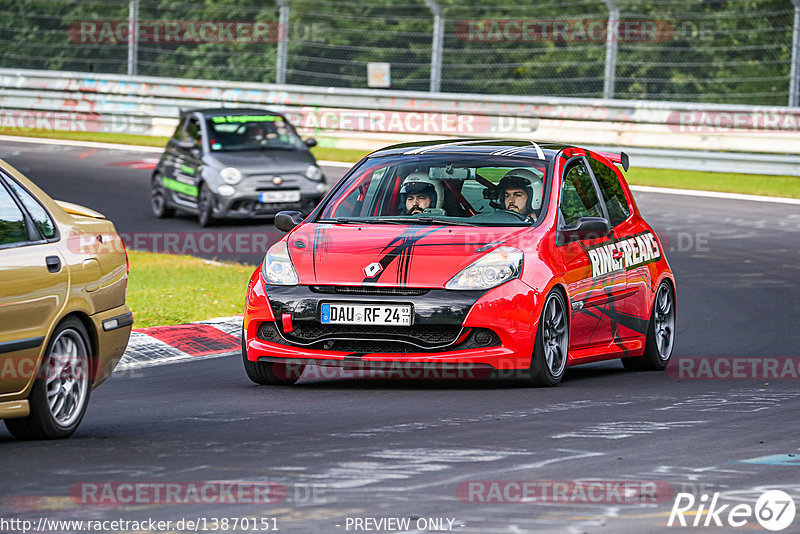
(620, 159)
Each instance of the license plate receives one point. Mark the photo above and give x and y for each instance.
(392, 314)
(279, 196)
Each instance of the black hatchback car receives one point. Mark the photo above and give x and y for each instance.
(241, 163)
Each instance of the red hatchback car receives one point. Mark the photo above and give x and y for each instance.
(481, 254)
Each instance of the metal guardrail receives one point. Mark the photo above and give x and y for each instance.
(657, 134)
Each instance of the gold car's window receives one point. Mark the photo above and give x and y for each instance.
(41, 219)
(12, 222)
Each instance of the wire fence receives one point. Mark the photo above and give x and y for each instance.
(724, 51)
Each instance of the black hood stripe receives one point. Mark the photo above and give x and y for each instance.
(400, 247)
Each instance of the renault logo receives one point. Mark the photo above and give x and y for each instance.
(372, 269)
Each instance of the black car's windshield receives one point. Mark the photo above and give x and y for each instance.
(443, 190)
(251, 132)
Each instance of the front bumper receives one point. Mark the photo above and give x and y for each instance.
(483, 329)
(247, 206)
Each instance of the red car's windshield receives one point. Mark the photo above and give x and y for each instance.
(441, 189)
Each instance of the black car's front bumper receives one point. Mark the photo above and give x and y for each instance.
(248, 206)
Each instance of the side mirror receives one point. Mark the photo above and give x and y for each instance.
(310, 142)
(585, 228)
(286, 221)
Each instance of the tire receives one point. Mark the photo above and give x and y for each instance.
(268, 373)
(205, 207)
(660, 333)
(64, 380)
(158, 199)
(552, 342)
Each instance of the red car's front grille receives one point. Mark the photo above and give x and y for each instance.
(424, 335)
(369, 290)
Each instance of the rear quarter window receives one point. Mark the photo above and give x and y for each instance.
(41, 219)
(616, 203)
(12, 221)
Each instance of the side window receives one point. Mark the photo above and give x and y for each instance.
(616, 204)
(41, 219)
(361, 200)
(179, 129)
(192, 131)
(12, 222)
(578, 195)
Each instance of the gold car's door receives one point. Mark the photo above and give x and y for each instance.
(34, 282)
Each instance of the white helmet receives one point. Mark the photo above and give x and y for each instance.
(420, 182)
(528, 181)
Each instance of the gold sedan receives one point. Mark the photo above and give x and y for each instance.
(64, 324)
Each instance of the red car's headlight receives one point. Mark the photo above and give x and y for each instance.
(498, 266)
(277, 267)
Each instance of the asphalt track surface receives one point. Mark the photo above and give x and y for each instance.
(349, 448)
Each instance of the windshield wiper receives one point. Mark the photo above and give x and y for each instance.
(399, 220)
(426, 219)
(346, 220)
(438, 220)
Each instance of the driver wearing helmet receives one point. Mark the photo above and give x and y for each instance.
(419, 193)
(520, 191)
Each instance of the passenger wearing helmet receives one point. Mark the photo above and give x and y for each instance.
(419, 193)
(520, 191)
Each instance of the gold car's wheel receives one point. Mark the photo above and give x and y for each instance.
(61, 390)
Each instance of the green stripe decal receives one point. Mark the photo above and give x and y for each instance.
(187, 169)
(180, 187)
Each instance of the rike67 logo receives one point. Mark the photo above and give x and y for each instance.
(774, 510)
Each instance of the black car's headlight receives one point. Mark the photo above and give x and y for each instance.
(231, 175)
(314, 173)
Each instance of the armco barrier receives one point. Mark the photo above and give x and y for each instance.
(367, 118)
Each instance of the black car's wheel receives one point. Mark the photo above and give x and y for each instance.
(205, 206)
(552, 342)
(660, 333)
(158, 199)
(62, 386)
(268, 373)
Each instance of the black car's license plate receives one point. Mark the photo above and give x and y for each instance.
(267, 197)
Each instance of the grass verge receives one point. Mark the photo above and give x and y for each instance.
(164, 289)
(751, 184)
